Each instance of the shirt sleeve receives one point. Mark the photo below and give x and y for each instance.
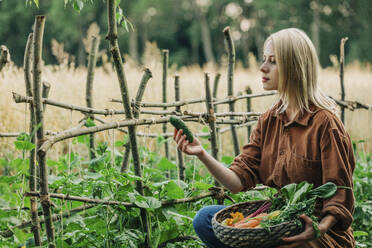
(337, 166)
(246, 164)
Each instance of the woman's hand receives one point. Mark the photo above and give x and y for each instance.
(185, 146)
(309, 234)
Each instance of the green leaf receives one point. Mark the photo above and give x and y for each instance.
(90, 123)
(53, 178)
(205, 129)
(165, 164)
(16, 163)
(203, 186)
(36, 3)
(289, 190)
(52, 163)
(92, 175)
(153, 202)
(125, 24)
(174, 191)
(78, 5)
(24, 145)
(302, 189)
(360, 233)
(227, 159)
(83, 139)
(147, 202)
(325, 191)
(179, 215)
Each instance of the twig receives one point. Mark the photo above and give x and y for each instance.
(119, 203)
(200, 100)
(236, 98)
(126, 123)
(21, 99)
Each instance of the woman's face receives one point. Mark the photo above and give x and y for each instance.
(269, 69)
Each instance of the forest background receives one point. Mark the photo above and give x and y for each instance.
(191, 29)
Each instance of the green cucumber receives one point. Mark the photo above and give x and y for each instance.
(179, 124)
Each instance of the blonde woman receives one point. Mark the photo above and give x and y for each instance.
(299, 138)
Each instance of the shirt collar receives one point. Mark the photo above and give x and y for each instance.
(301, 118)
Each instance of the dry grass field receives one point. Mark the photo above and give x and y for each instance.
(68, 85)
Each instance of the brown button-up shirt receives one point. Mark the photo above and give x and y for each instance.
(313, 147)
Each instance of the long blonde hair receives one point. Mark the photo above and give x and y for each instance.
(298, 67)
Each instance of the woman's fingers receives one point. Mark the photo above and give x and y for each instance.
(305, 236)
(174, 133)
(184, 145)
(180, 140)
(178, 135)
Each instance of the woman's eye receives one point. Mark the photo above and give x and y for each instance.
(263, 59)
(272, 60)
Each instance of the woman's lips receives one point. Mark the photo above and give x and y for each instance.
(265, 79)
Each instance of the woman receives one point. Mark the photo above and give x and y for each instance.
(299, 138)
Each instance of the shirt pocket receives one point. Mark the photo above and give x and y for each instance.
(300, 169)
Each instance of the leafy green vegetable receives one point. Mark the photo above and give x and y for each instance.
(297, 199)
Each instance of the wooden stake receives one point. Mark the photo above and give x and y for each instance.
(181, 166)
(230, 83)
(112, 36)
(35, 222)
(212, 122)
(45, 92)
(164, 91)
(92, 60)
(141, 90)
(248, 90)
(41, 156)
(342, 60)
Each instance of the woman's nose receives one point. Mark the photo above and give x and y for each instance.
(264, 68)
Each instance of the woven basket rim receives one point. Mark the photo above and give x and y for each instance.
(240, 203)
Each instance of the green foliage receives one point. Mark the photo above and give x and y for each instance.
(297, 199)
(23, 142)
(118, 226)
(251, 22)
(363, 200)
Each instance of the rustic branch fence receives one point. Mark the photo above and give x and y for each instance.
(132, 110)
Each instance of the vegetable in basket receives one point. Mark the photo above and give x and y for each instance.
(292, 201)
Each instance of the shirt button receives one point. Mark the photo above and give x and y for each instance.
(281, 152)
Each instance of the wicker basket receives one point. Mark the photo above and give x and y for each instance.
(250, 237)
